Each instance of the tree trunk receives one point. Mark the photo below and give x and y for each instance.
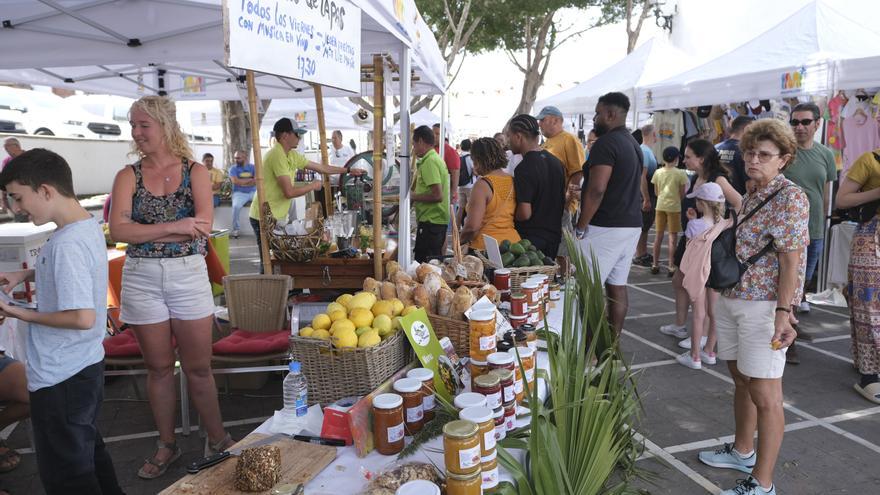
(237, 128)
(539, 48)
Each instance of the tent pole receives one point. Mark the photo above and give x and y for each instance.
(404, 252)
(441, 146)
(325, 156)
(258, 169)
(378, 115)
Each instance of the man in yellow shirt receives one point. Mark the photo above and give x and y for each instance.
(568, 149)
(278, 170)
(217, 177)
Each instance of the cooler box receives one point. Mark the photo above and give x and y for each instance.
(21, 243)
(220, 241)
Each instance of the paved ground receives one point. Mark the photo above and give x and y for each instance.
(832, 437)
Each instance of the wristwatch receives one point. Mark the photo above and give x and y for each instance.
(580, 233)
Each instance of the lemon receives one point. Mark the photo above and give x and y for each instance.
(383, 324)
(345, 338)
(335, 306)
(306, 331)
(397, 304)
(343, 299)
(360, 331)
(321, 334)
(321, 322)
(342, 325)
(361, 317)
(369, 339)
(383, 308)
(338, 314)
(409, 309)
(364, 300)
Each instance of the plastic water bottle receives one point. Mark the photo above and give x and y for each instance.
(296, 391)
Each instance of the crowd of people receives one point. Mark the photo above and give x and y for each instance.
(768, 181)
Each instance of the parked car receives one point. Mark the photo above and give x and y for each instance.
(10, 121)
(47, 114)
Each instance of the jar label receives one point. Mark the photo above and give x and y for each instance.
(501, 431)
(428, 403)
(509, 421)
(489, 439)
(530, 375)
(509, 393)
(518, 386)
(487, 343)
(533, 344)
(493, 401)
(395, 433)
(468, 458)
(414, 414)
(490, 478)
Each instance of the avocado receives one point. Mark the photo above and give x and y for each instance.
(507, 259)
(525, 243)
(504, 246)
(548, 261)
(533, 257)
(531, 248)
(517, 249)
(522, 261)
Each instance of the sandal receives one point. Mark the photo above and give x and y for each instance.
(870, 391)
(10, 459)
(221, 446)
(162, 466)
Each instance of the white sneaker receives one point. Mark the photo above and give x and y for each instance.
(235, 234)
(686, 360)
(686, 343)
(676, 331)
(803, 307)
(707, 358)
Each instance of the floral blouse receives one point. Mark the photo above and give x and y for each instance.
(149, 209)
(783, 220)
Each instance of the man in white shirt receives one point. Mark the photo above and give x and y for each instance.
(340, 153)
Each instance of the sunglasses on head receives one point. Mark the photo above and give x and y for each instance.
(803, 122)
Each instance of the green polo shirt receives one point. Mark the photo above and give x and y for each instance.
(432, 170)
(276, 164)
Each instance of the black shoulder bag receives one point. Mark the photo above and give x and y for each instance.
(725, 267)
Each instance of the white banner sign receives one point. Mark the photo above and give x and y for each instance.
(317, 41)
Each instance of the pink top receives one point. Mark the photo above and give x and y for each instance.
(696, 262)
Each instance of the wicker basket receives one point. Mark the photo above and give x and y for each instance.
(336, 373)
(520, 275)
(295, 248)
(458, 332)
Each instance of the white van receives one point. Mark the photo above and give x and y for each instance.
(47, 114)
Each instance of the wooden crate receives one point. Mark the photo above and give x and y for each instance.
(327, 273)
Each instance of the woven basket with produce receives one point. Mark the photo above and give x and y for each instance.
(523, 260)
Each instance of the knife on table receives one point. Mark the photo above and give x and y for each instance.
(206, 462)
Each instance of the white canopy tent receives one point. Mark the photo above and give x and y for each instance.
(795, 57)
(858, 73)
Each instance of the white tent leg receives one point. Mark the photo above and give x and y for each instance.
(404, 246)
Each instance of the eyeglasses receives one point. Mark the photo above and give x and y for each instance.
(763, 156)
(803, 122)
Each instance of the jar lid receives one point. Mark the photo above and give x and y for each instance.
(387, 401)
(460, 428)
(477, 414)
(420, 374)
(524, 352)
(502, 271)
(464, 477)
(503, 346)
(418, 487)
(539, 276)
(528, 327)
(489, 458)
(487, 314)
(518, 317)
(529, 284)
(503, 374)
(469, 399)
(509, 408)
(487, 381)
(517, 295)
(407, 385)
(498, 413)
(499, 358)
(478, 363)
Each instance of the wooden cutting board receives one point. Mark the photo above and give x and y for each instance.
(300, 462)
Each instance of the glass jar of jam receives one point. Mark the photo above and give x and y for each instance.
(477, 368)
(489, 471)
(461, 447)
(527, 356)
(413, 403)
(469, 399)
(544, 285)
(482, 334)
(518, 387)
(531, 336)
(388, 427)
(532, 290)
(500, 425)
(510, 416)
(508, 390)
(517, 321)
(519, 304)
(464, 484)
(501, 279)
(490, 386)
(425, 376)
(555, 292)
(482, 416)
(499, 360)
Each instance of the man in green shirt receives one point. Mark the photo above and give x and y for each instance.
(430, 195)
(278, 170)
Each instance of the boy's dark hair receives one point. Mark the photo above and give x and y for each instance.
(615, 99)
(465, 145)
(39, 167)
(424, 134)
(206, 155)
(740, 123)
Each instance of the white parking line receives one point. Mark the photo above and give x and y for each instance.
(823, 351)
(835, 313)
(683, 468)
(831, 339)
(646, 291)
(652, 364)
(660, 282)
(650, 315)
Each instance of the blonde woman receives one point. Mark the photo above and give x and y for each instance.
(162, 207)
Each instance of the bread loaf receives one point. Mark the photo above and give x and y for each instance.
(405, 292)
(422, 298)
(372, 285)
(444, 301)
(462, 300)
(400, 277)
(388, 291)
(391, 268)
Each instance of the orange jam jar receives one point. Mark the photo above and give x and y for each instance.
(388, 428)
(482, 334)
(413, 399)
(464, 484)
(461, 447)
(482, 416)
(425, 376)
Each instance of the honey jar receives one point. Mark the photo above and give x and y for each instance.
(464, 484)
(482, 334)
(482, 416)
(461, 447)
(489, 471)
(477, 368)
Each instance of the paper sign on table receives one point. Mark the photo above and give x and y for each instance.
(429, 351)
(492, 251)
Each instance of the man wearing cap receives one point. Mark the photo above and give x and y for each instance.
(610, 219)
(279, 168)
(567, 148)
(730, 155)
(539, 183)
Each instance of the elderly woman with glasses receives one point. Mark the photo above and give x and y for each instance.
(754, 319)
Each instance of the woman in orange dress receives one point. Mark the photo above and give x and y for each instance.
(492, 203)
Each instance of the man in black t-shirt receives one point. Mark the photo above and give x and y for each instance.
(730, 155)
(611, 202)
(539, 183)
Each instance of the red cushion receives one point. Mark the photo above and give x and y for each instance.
(242, 342)
(123, 344)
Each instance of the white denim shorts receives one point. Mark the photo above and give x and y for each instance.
(745, 329)
(159, 289)
(614, 248)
